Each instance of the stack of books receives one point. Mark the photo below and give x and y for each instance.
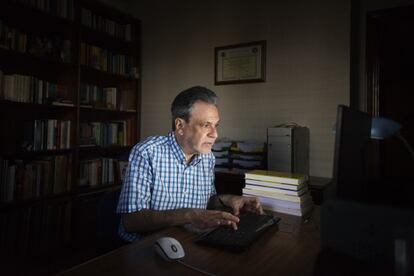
(280, 191)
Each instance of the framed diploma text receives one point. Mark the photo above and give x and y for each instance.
(241, 63)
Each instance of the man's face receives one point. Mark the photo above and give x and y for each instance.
(200, 132)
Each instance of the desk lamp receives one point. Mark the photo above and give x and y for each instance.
(383, 128)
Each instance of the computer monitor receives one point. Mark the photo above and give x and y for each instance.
(350, 174)
(364, 218)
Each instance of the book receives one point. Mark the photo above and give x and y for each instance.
(277, 190)
(292, 198)
(284, 203)
(271, 184)
(289, 211)
(287, 207)
(280, 177)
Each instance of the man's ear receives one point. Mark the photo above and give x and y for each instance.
(179, 125)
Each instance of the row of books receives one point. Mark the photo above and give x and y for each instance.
(11, 38)
(29, 89)
(95, 96)
(46, 135)
(101, 171)
(105, 25)
(62, 8)
(280, 191)
(105, 60)
(43, 176)
(106, 97)
(239, 156)
(54, 47)
(106, 133)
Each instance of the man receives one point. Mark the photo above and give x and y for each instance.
(170, 179)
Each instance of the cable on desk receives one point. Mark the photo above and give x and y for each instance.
(195, 268)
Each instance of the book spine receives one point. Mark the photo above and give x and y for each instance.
(276, 195)
(277, 190)
(275, 184)
(282, 180)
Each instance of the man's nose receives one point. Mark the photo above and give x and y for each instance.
(213, 132)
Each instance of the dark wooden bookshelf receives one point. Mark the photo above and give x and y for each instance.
(49, 226)
(95, 151)
(25, 63)
(33, 154)
(78, 191)
(113, 111)
(91, 36)
(83, 191)
(29, 202)
(34, 19)
(34, 106)
(95, 74)
(106, 115)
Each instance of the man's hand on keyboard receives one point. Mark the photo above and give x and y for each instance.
(243, 203)
(202, 219)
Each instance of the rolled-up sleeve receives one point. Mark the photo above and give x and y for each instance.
(136, 189)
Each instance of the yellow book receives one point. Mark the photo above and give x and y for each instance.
(279, 177)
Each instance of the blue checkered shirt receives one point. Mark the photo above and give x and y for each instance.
(159, 178)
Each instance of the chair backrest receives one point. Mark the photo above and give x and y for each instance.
(107, 222)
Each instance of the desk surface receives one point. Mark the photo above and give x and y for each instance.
(290, 250)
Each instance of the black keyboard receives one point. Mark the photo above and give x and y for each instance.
(250, 227)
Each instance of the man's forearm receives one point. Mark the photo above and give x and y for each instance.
(148, 220)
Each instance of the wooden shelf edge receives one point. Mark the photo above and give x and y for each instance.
(27, 202)
(85, 191)
(38, 153)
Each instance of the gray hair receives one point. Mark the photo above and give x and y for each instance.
(183, 103)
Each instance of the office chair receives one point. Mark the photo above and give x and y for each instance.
(108, 222)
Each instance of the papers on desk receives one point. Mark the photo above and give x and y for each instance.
(221, 150)
(222, 146)
(248, 155)
(249, 147)
(248, 164)
(222, 162)
(221, 154)
(238, 156)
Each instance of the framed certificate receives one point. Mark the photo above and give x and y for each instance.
(241, 63)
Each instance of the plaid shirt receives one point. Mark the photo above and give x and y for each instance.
(159, 178)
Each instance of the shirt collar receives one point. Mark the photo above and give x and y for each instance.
(179, 153)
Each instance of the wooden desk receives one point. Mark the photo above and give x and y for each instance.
(290, 250)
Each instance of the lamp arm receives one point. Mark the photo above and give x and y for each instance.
(407, 145)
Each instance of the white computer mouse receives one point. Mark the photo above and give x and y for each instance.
(169, 248)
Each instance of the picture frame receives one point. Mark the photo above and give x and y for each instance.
(240, 63)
